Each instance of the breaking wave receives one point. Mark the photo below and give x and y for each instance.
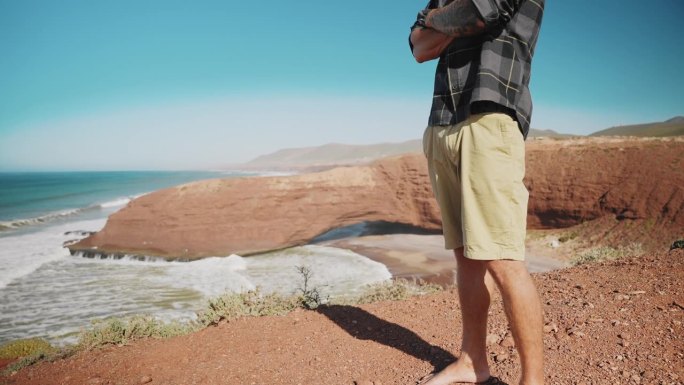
(23, 222)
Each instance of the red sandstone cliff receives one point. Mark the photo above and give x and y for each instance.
(570, 181)
(249, 215)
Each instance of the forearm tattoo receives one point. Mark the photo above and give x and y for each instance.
(459, 18)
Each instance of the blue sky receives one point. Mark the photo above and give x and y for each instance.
(110, 85)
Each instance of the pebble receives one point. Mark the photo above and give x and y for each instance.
(507, 342)
(649, 375)
(363, 382)
(501, 357)
(550, 327)
(145, 379)
(492, 339)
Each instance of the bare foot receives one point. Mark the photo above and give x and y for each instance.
(460, 371)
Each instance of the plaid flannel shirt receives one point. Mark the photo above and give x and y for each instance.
(494, 66)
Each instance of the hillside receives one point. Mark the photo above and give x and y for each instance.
(670, 127)
(330, 155)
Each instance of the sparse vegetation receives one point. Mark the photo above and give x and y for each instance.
(394, 290)
(605, 253)
(118, 331)
(30, 351)
(310, 297)
(568, 237)
(25, 347)
(252, 303)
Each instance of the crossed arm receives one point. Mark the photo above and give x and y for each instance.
(458, 19)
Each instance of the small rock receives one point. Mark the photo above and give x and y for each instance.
(636, 292)
(492, 339)
(649, 375)
(145, 379)
(507, 342)
(501, 357)
(624, 336)
(550, 327)
(363, 382)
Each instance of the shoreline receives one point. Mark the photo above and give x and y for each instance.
(423, 257)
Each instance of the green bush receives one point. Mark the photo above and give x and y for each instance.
(605, 253)
(118, 331)
(568, 237)
(394, 290)
(252, 303)
(25, 347)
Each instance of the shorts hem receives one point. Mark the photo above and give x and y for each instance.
(494, 256)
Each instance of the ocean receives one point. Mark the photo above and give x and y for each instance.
(46, 292)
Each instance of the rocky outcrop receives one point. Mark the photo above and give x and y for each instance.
(578, 180)
(251, 215)
(570, 181)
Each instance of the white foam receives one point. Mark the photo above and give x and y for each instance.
(115, 203)
(46, 292)
(211, 276)
(22, 254)
(17, 223)
(336, 272)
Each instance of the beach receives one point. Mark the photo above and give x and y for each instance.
(423, 257)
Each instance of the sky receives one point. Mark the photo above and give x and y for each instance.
(167, 84)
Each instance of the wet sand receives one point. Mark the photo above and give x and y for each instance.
(414, 256)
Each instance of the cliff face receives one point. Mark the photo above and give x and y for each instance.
(570, 181)
(577, 180)
(250, 215)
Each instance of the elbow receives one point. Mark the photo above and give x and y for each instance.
(422, 55)
(420, 58)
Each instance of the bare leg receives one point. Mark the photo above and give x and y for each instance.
(474, 292)
(524, 312)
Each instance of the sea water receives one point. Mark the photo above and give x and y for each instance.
(46, 292)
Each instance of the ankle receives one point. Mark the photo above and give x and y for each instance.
(531, 381)
(477, 361)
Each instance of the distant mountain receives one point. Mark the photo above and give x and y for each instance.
(670, 127)
(335, 154)
(330, 155)
(535, 133)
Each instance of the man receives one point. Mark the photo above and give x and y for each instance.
(474, 144)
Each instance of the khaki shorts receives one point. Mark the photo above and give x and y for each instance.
(476, 169)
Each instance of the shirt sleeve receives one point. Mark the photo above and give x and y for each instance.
(497, 12)
(432, 4)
